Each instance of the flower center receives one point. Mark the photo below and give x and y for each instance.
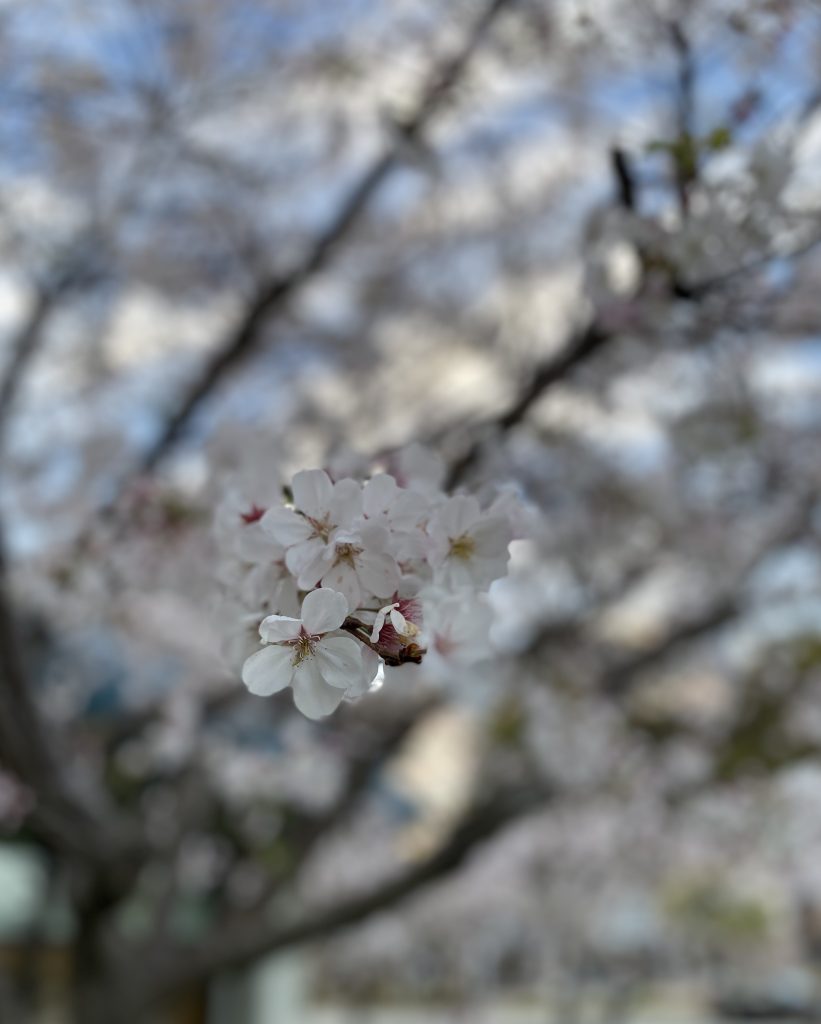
(253, 515)
(322, 527)
(346, 553)
(463, 547)
(303, 647)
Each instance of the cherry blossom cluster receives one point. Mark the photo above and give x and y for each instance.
(344, 580)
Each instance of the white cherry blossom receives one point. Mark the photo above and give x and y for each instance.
(405, 564)
(310, 655)
(252, 564)
(356, 563)
(457, 628)
(238, 533)
(400, 511)
(320, 509)
(467, 548)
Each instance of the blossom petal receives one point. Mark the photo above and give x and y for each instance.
(312, 695)
(377, 573)
(277, 628)
(438, 549)
(457, 515)
(323, 610)
(371, 664)
(285, 526)
(455, 572)
(300, 556)
(343, 579)
(486, 570)
(346, 503)
(408, 510)
(312, 490)
(379, 494)
(398, 621)
(313, 572)
(491, 536)
(268, 671)
(256, 545)
(374, 537)
(340, 661)
(378, 623)
(263, 585)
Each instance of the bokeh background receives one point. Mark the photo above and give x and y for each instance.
(571, 247)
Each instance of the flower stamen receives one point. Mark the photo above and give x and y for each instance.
(346, 553)
(321, 527)
(303, 647)
(463, 547)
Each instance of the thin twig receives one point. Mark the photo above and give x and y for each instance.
(685, 156)
(625, 179)
(553, 370)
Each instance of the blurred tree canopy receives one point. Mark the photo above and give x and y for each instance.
(570, 246)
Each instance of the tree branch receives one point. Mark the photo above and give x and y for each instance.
(56, 818)
(230, 949)
(23, 348)
(25, 345)
(272, 295)
(581, 346)
(685, 155)
(619, 678)
(625, 179)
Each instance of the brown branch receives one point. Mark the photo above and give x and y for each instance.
(23, 348)
(615, 677)
(410, 654)
(272, 295)
(229, 949)
(620, 678)
(57, 817)
(624, 177)
(697, 289)
(553, 370)
(685, 156)
(29, 338)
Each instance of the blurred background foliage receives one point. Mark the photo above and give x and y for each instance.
(572, 247)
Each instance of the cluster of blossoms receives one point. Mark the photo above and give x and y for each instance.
(352, 579)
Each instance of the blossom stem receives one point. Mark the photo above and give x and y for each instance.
(408, 655)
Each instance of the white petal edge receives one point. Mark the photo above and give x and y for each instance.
(312, 695)
(285, 526)
(346, 503)
(312, 490)
(379, 494)
(340, 662)
(279, 627)
(458, 514)
(268, 671)
(324, 610)
(342, 578)
(491, 536)
(378, 574)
